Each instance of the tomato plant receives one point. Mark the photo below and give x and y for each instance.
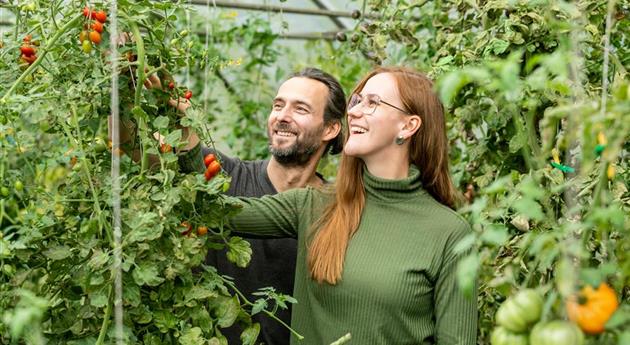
(556, 333)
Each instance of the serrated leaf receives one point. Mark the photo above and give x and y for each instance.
(239, 251)
(258, 306)
(227, 311)
(160, 122)
(250, 334)
(496, 234)
(529, 208)
(191, 336)
(518, 141)
(147, 274)
(57, 252)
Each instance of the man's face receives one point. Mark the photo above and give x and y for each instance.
(296, 123)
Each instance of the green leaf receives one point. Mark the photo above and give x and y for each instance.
(173, 137)
(496, 234)
(624, 338)
(239, 251)
(619, 318)
(450, 84)
(99, 299)
(467, 274)
(518, 141)
(57, 252)
(191, 336)
(250, 334)
(529, 208)
(144, 227)
(147, 274)
(227, 310)
(258, 306)
(160, 122)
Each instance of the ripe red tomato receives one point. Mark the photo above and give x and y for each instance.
(212, 170)
(188, 94)
(88, 13)
(187, 226)
(101, 16)
(97, 26)
(27, 50)
(29, 59)
(95, 37)
(209, 158)
(171, 85)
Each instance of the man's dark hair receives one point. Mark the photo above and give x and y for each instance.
(335, 107)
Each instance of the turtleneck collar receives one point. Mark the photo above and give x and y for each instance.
(393, 190)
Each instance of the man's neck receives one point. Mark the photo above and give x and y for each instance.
(288, 177)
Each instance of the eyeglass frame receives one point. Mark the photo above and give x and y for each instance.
(378, 98)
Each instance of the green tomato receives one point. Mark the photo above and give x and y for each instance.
(87, 46)
(18, 185)
(501, 336)
(4, 191)
(520, 311)
(556, 332)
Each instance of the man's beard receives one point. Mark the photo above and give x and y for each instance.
(301, 151)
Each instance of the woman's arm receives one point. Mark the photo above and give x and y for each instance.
(272, 215)
(455, 313)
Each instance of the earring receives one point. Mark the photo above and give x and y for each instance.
(400, 140)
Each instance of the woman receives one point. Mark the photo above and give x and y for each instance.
(376, 253)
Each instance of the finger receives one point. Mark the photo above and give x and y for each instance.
(155, 80)
(148, 84)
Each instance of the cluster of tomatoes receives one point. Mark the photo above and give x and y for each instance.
(201, 229)
(95, 24)
(212, 166)
(28, 51)
(588, 311)
(188, 94)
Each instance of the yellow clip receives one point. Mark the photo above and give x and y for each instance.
(610, 171)
(555, 155)
(601, 138)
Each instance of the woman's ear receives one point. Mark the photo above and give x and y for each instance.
(411, 126)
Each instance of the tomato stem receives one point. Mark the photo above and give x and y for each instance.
(270, 314)
(44, 51)
(105, 324)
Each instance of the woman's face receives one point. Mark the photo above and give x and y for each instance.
(374, 135)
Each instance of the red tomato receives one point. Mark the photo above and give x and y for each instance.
(171, 85)
(188, 94)
(97, 26)
(101, 16)
(164, 148)
(209, 158)
(212, 170)
(95, 37)
(88, 13)
(29, 59)
(27, 50)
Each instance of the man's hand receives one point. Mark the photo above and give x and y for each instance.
(181, 104)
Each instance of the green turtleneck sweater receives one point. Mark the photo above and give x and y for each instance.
(398, 284)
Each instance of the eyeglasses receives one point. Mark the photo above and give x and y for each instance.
(369, 103)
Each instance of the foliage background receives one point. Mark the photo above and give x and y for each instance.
(520, 79)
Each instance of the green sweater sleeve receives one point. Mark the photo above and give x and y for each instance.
(272, 215)
(456, 314)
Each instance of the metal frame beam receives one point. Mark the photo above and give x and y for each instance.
(277, 8)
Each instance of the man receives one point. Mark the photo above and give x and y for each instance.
(304, 124)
